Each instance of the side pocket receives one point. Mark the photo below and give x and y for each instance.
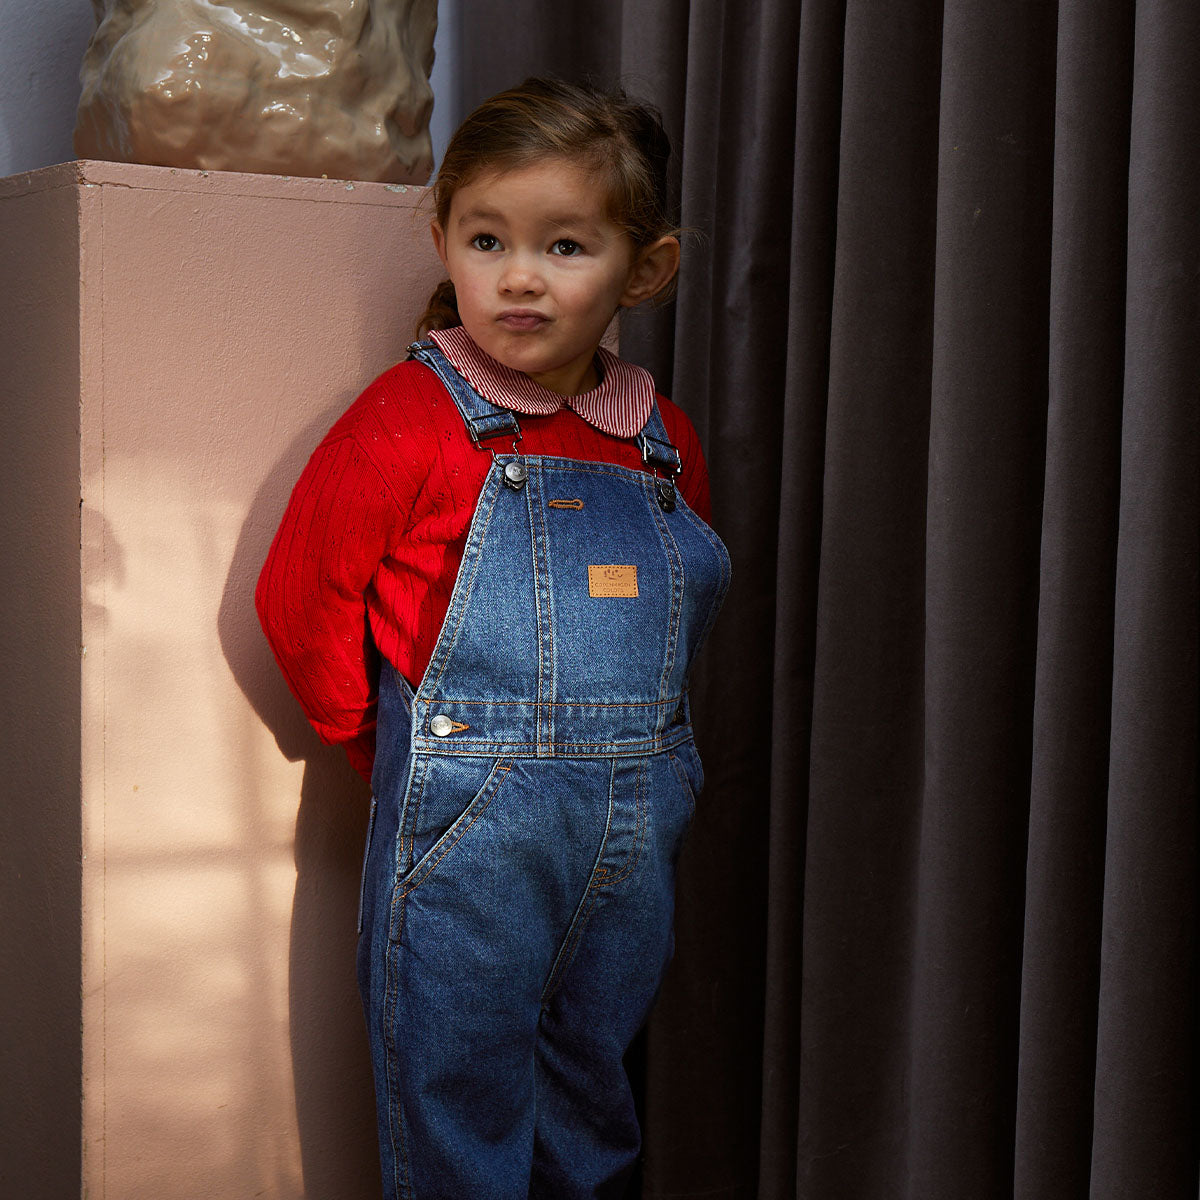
(685, 783)
(687, 766)
(430, 858)
(362, 883)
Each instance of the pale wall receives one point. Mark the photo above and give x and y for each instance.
(41, 46)
(183, 342)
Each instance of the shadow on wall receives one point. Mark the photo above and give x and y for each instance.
(331, 1064)
(40, 816)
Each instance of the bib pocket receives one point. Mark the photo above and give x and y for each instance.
(448, 796)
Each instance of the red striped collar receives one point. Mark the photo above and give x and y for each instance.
(619, 405)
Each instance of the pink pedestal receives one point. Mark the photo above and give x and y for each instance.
(174, 344)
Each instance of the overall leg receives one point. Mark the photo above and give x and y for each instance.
(612, 963)
(463, 942)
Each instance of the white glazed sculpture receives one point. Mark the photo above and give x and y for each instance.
(284, 87)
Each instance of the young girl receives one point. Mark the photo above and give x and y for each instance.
(490, 583)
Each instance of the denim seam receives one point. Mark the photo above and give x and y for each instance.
(469, 567)
(540, 685)
(414, 792)
(407, 695)
(675, 562)
(402, 1169)
(362, 885)
(683, 779)
(472, 746)
(409, 815)
(639, 835)
(634, 475)
(726, 569)
(583, 910)
(472, 556)
(566, 953)
(671, 700)
(542, 597)
(552, 691)
(456, 832)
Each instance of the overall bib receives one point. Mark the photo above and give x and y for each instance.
(530, 801)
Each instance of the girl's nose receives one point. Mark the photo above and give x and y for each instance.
(521, 277)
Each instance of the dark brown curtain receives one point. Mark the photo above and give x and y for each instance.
(939, 329)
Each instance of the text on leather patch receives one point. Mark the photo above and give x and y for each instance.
(612, 580)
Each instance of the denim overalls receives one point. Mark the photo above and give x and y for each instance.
(530, 801)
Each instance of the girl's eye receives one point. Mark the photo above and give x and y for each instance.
(485, 241)
(566, 247)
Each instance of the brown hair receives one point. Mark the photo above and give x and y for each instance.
(548, 118)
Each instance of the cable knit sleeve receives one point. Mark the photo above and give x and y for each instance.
(339, 524)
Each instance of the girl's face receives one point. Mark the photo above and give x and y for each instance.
(539, 269)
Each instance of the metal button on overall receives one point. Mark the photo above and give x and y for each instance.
(519, 884)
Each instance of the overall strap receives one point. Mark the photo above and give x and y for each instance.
(656, 447)
(483, 419)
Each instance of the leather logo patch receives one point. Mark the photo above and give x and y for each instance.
(612, 580)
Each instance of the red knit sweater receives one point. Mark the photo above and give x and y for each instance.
(369, 547)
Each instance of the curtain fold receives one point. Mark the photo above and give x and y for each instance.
(1067, 821)
(802, 436)
(939, 328)
(1146, 1053)
(863, 820)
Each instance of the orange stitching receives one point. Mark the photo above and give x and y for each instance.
(391, 985)
(448, 700)
(464, 747)
(573, 504)
(640, 787)
(406, 820)
(632, 475)
(566, 954)
(413, 884)
(466, 596)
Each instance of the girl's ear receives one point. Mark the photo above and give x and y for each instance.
(439, 242)
(653, 268)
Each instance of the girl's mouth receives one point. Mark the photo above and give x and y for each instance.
(520, 319)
